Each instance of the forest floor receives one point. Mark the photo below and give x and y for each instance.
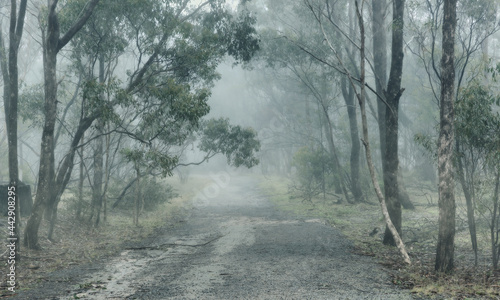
(232, 242)
(364, 225)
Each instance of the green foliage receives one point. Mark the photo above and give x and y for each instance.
(477, 127)
(176, 47)
(243, 42)
(154, 193)
(428, 143)
(32, 102)
(239, 145)
(171, 93)
(95, 97)
(314, 172)
(102, 33)
(476, 122)
(173, 106)
(132, 155)
(165, 162)
(31, 105)
(152, 159)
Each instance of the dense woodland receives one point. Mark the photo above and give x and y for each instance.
(356, 101)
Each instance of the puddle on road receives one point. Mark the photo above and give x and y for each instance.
(126, 274)
(117, 280)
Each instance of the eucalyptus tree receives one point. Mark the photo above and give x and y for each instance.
(361, 97)
(52, 42)
(389, 93)
(446, 237)
(95, 53)
(477, 22)
(478, 127)
(392, 95)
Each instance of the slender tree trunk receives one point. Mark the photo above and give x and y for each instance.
(494, 230)
(379, 8)
(348, 95)
(46, 169)
(361, 99)
(106, 180)
(10, 77)
(64, 173)
(80, 182)
(52, 44)
(333, 151)
(97, 193)
(393, 95)
(138, 198)
(385, 120)
(98, 175)
(445, 246)
(471, 221)
(380, 65)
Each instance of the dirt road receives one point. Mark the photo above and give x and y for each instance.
(233, 245)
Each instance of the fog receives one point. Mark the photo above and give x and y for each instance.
(348, 103)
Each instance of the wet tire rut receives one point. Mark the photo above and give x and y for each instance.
(237, 246)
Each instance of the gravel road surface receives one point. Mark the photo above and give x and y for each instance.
(233, 245)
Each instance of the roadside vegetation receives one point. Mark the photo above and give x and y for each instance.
(363, 224)
(81, 243)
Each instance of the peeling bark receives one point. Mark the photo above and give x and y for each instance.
(445, 246)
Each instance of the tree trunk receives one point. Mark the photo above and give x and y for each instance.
(388, 113)
(98, 176)
(333, 151)
(138, 198)
(348, 95)
(81, 178)
(380, 65)
(392, 95)
(97, 193)
(361, 98)
(64, 173)
(46, 169)
(403, 196)
(445, 246)
(494, 230)
(106, 180)
(469, 201)
(10, 77)
(52, 44)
